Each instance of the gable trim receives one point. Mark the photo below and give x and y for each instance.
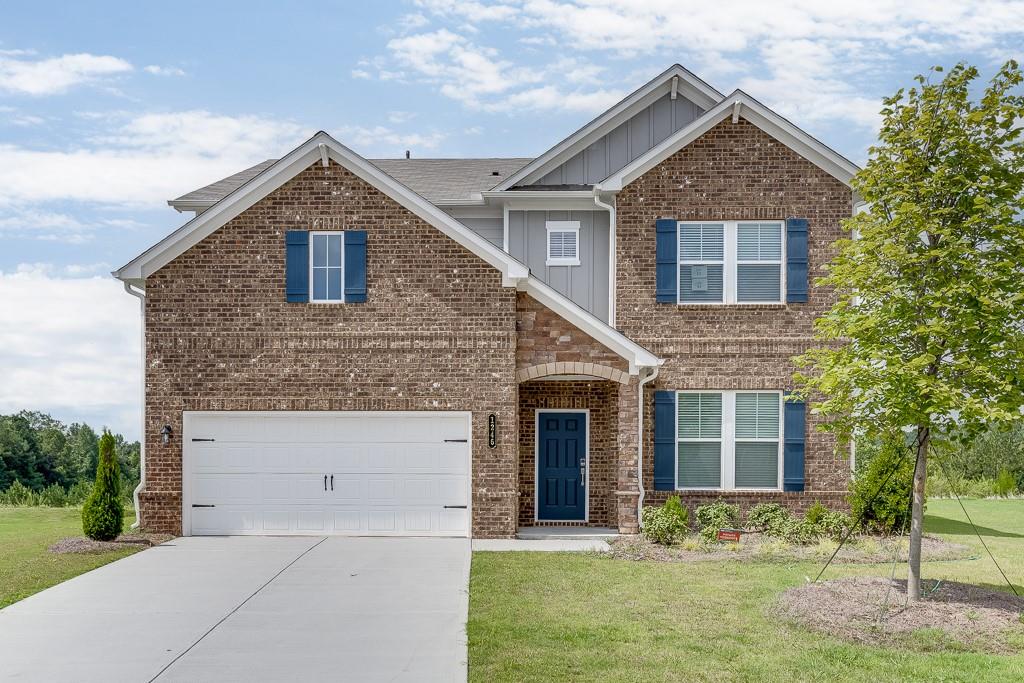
(674, 78)
(739, 105)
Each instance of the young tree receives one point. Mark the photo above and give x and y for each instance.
(927, 333)
(102, 513)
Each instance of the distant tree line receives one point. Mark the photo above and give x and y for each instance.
(38, 451)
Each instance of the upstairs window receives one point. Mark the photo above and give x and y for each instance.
(326, 258)
(730, 262)
(563, 243)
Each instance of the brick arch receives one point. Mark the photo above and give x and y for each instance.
(572, 368)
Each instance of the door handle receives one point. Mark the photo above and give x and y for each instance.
(325, 482)
(332, 482)
(583, 472)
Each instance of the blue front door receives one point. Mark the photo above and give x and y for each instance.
(561, 466)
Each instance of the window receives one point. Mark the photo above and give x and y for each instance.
(730, 262)
(729, 440)
(563, 243)
(325, 266)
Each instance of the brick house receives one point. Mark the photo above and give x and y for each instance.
(471, 346)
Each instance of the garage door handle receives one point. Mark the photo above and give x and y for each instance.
(203, 506)
(456, 440)
(204, 439)
(456, 507)
(325, 482)
(332, 482)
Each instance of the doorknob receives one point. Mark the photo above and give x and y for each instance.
(583, 472)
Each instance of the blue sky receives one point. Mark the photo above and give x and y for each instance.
(108, 109)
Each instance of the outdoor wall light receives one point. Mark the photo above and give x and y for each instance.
(166, 433)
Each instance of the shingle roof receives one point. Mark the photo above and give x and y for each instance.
(434, 179)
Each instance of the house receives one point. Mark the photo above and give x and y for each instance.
(337, 345)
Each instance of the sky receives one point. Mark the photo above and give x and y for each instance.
(109, 109)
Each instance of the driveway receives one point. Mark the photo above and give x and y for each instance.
(251, 609)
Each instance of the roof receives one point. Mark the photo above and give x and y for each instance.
(438, 180)
(323, 148)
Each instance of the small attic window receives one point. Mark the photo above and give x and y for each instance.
(563, 243)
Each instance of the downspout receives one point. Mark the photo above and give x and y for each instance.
(141, 296)
(640, 447)
(610, 208)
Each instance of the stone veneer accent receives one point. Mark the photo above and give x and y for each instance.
(733, 172)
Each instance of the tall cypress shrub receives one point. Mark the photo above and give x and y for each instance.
(102, 514)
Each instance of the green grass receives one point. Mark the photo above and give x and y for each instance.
(576, 617)
(26, 566)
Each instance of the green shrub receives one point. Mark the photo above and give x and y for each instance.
(815, 512)
(53, 496)
(770, 518)
(19, 495)
(801, 532)
(667, 523)
(834, 524)
(1006, 484)
(890, 509)
(79, 492)
(102, 514)
(715, 516)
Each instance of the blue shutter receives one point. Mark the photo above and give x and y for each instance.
(796, 260)
(296, 279)
(793, 447)
(666, 262)
(664, 440)
(355, 266)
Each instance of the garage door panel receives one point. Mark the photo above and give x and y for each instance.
(264, 473)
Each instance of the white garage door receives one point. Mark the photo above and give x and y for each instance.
(397, 474)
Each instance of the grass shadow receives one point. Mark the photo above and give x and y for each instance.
(943, 525)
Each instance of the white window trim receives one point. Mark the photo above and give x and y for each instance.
(312, 234)
(730, 244)
(562, 226)
(728, 441)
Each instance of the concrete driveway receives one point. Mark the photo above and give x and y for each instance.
(251, 609)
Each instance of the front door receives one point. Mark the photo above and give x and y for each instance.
(561, 466)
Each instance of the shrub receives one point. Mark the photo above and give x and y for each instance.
(715, 516)
(801, 532)
(53, 496)
(666, 524)
(815, 512)
(890, 509)
(102, 514)
(1006, 484)
(19, 495)
(770, 518)
(79, 492)
(834, 524)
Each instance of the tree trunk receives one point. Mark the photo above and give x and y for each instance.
(917, 515)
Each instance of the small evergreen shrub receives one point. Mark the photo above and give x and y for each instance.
(770, 518)
(715, 516)
(890, 509)
(667, 523)
(1006, 484)
(79, 492)
(53, 496)
(815, 512)
(19, 495)
(102, 514)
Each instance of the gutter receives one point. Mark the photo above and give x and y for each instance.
(141, 296)
(640, 448)
(610, 208)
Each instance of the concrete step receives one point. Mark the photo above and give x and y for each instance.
(566, 533)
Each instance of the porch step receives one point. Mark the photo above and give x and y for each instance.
(567, 533)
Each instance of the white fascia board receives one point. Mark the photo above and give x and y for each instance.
(198, 205)
(637, 355)
(756, 113)
(689, 86)
(541, 200)
(284, 170)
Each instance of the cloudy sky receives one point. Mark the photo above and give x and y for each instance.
(108, 109)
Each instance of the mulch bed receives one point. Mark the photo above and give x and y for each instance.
(81, 544)
(756, 546)
(875, 611)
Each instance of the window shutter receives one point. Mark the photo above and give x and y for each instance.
(793, 447)
(355, 266)
(664, 440)
(796, 260)
(296, 279)
(666, 262)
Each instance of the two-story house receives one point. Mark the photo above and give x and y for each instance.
(337, 345)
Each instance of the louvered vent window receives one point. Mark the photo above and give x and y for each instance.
(563, 243)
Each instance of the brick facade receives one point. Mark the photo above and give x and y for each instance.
(436, 333)
(733, 172)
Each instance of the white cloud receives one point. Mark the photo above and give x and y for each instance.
(70, 346)
(158, 70)
(401, 116)
(550, 98)
(383, 141)
(56, 74)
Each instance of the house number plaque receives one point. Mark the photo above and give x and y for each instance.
(492, 430)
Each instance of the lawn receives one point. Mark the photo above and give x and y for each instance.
(26, 566)
(578, 617)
